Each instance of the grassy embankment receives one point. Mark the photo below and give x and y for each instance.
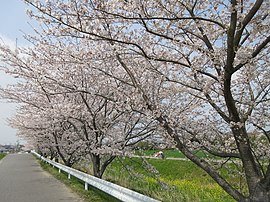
(165, 180)
(2, 155)
(171, 153)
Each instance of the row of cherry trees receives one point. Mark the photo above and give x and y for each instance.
(69, 110)
(103, 74)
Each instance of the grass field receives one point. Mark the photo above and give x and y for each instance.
(171, 153)
(167, 180)
(2, 155)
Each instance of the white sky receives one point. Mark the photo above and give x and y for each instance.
(13, 23)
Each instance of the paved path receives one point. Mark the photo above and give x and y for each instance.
(22, 180)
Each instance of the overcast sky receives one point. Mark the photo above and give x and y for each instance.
(13, 23)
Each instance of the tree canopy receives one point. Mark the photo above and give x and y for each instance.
(196, 72)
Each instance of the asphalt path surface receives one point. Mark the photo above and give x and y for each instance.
(23, 180)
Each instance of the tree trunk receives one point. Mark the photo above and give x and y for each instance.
(96, 165)
(252, 170)
(260, 194)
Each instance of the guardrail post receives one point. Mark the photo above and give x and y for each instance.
(69, 176)
(59, 171)
(85, 186)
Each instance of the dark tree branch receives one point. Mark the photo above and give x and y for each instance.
(242, 25)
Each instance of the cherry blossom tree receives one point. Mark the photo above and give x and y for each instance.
(78, 114)
(37, 122)
(199, 68)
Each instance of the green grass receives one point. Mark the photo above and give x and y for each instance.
(91, 195)
(2, 155)
(170, 153)
(165, 180)
(168, 181)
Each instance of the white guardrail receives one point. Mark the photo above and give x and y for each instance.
(114, 190)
